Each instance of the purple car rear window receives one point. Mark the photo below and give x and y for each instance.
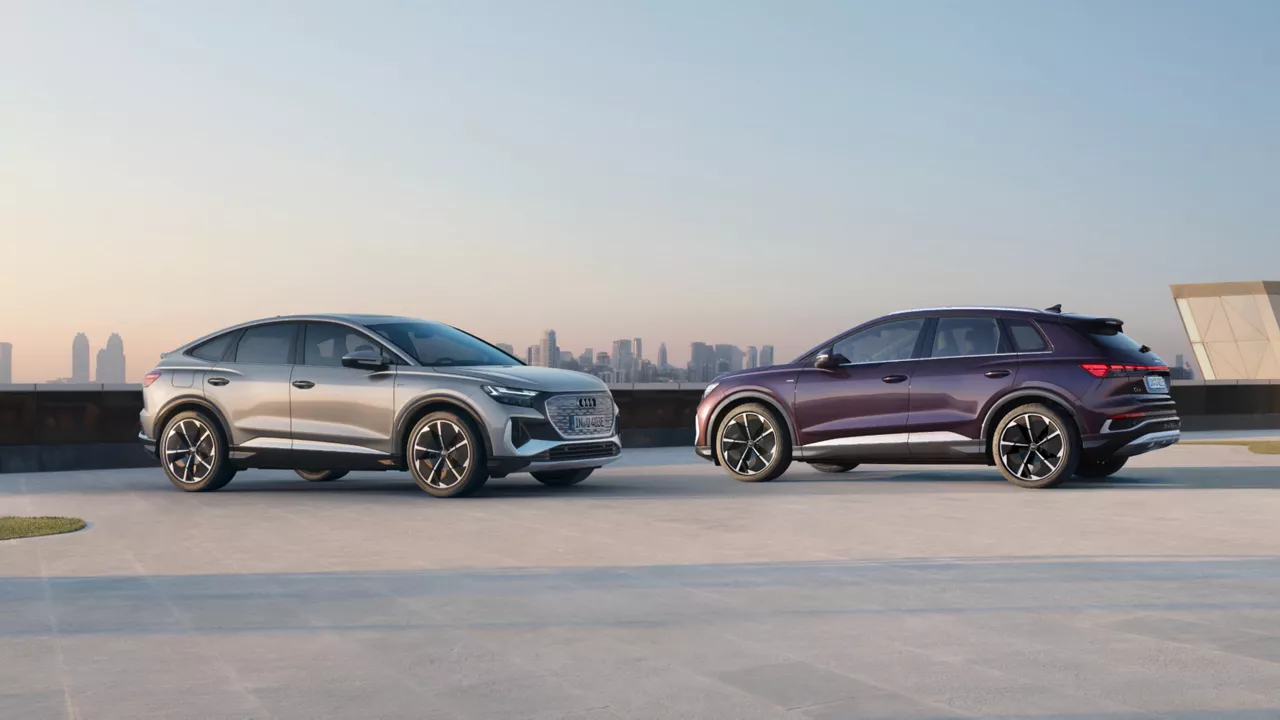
(1114, 340)
(1026, 336)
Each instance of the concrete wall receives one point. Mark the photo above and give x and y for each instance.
(71, 427)
(85, 426)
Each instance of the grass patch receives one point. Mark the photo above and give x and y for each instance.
(21, 527)
(1261, 447)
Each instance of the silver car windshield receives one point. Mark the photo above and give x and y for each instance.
(436, 344)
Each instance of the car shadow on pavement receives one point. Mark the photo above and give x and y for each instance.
(622, 482)
(615, 484)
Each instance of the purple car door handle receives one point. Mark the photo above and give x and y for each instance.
(997, 373)
(894, 378)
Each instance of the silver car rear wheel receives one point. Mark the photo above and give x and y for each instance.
(190, 451)
(193, 453)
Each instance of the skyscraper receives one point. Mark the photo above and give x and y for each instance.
(111, 363)
(662, 356)
(729, 356)
(753, 356)
(702, 362)
(533, 356)
(80, 359)
(6, 363)
(587, 358)
(506, 348)
(639, 353)
(602, 359)
(549, 351)
(623, 360)
(766, 356)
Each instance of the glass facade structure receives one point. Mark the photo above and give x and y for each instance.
(1233, 328)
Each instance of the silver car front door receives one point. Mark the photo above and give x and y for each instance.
(340, 409)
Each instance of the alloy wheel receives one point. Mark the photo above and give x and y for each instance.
(190, 451)
(442, 454)
(748, 443)
(1031, 446)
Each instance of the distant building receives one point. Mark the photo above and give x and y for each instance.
(731, 356)
(111, 363)
(1233, 328)
(1181, 369)
(702, 362)
(753, 356)
(602, 359)
(648, 372)
(6, 363)
(80, 359)
(587, 358)
(662, 357)
(548, 351)
(623, 360)
(639, 353)
(766, 356)
(533, 356)
(508, 349)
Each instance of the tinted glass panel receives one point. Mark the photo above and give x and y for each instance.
(266, 345)
(212, 350)
(325, 344)
(958, 337)
(882, 343)
(1026, 337)
(434, 344)
(1114, 340)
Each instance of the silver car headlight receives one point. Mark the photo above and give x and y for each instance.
(710, 387)
(511, 396)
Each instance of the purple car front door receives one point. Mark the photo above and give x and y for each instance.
(859, 409)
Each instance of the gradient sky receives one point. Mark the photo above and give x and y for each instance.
(679, 170)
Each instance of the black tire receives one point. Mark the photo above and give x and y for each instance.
(563, 477)
(1050, 442)
(184, 468)
(833, 467)
(321, 475)
(1097, 469)
(434, 462)
(760, 422)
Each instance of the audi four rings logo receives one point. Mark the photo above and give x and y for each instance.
(586, 402)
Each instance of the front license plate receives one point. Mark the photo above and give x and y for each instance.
(596, 423)
(1157, 384)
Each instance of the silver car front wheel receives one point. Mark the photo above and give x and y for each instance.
(446, 457)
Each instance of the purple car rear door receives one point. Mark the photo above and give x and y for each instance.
(968, 363)
(859, 409)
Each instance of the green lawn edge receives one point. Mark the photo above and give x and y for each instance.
(13, 527)
(1261, 447)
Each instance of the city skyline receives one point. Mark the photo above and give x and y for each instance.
(110, 366)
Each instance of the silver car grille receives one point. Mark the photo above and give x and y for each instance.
(562, 408)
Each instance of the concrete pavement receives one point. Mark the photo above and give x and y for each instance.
(658, 589)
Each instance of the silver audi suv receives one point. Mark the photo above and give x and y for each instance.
(327, 394)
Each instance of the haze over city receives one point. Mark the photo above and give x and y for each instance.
(718, 172)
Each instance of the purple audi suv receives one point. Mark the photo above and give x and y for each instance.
(1041, 394)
